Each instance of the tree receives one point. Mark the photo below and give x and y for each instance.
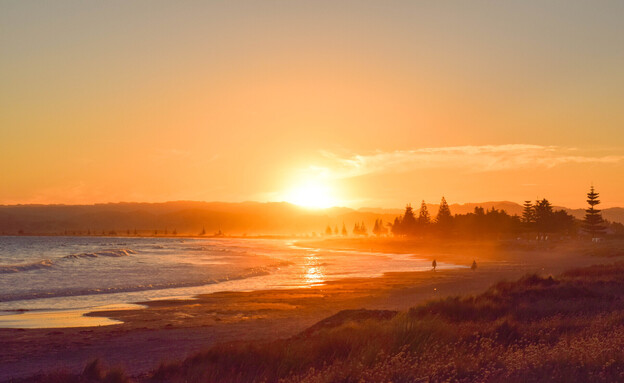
(379, 228)
(528, 214)
(423, 216)
(444, 217)
(336, 230)
(405, 225)
(593, 222)
(543, 216)
(356, 229)
(328, 230)
(344, 230)
(396, 228)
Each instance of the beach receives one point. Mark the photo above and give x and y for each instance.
(173, 329)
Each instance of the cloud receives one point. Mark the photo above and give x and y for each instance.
(484, 158)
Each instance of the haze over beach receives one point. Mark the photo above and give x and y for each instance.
(327, 191)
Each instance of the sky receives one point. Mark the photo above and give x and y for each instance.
(350, 103)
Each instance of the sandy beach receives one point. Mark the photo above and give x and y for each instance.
(173, 329)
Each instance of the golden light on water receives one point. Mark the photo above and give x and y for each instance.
(314, 274)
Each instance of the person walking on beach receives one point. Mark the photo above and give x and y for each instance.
(474, 265)
(434, 264)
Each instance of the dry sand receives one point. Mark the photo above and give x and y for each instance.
(169, 330)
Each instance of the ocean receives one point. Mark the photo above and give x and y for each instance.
(48, 274)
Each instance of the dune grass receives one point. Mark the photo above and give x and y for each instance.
(539, 328)
(566, 329)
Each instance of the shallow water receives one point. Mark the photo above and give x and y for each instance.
(44, 274)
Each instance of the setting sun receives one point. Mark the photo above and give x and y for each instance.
(311, 194)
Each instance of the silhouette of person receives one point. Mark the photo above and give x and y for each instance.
(474, 265)
(434, 264)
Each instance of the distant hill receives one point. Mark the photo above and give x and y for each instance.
(614, 214)
(191, 218)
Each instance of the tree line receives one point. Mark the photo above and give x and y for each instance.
(539, 219)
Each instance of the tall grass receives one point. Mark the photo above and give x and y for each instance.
(564, 329)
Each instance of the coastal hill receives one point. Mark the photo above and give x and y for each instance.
(193, 218)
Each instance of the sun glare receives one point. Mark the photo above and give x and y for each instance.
(311, 195)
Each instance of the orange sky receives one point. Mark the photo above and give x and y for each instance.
(366, 103)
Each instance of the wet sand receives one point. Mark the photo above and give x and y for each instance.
(173, 329)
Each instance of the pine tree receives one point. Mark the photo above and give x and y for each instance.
(444, 216)
(397, 227)
(363, 230)
(336, 230)
(344, 230)
(543, 216)
(376, 227)
(593, 222)
(423, 215)
(528, 213)
(379, 228)
(408, 222)
(328, 230)
(356, 229)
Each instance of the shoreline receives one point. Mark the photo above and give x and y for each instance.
(35, 317)
(173, 329)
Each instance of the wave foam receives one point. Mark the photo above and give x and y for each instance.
(104, 253)
(6, 269)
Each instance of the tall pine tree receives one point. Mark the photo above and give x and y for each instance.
(423, 216)
(543, 216)
(444, 216)
(528, 215)
(593, 222)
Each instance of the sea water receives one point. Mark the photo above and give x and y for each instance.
(84, 273)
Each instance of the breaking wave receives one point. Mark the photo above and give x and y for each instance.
(247, 273)
(47, 263)
(104, 253)
(43, 264)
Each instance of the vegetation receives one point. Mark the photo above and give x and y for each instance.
(593, 219)
(539, 219)
(564, 329)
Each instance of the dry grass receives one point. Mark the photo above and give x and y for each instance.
(566, 329)
(539, 328)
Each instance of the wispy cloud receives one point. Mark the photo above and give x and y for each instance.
(485, 158)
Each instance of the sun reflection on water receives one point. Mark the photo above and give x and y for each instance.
(314, 275)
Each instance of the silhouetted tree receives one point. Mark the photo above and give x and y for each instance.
(344, 230)
(543, 216)
(360, 228)
(396, 228)
(593, 222)
(423, 215)
(407, 224)
(336, 230)
(563, 222)
(379, 228)
(444, 219)
(528, 214)
(328, 230)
